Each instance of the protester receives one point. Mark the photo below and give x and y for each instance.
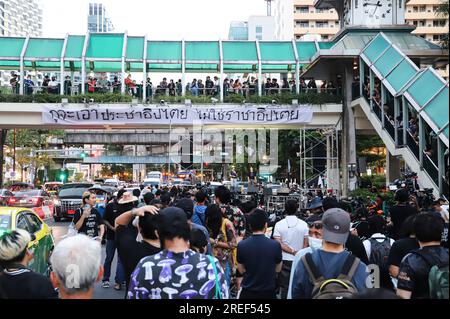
(259, 260)
(187, 206)
(198, 241)
(177, 272)
(292, 234)
(402, 247)
(330, 261)
(17, 281)
(80, 255)
(415, 269)
(377, 249)
(222, 239)
(129, 249)
(112, 211)
(232, 213)
(400, 212)
(199, 208)
(87, 219)
(314, 243)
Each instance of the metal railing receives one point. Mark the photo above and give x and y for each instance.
(412, 145)
(430, 168)
(377, 109)
(389, 127)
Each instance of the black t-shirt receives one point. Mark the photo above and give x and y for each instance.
(131, 251)
(355, 246)
(398, 215)
(400, 249)
(363, 229)
(25, 284)
(414, 270)
(260, 256)
(91, 224)
(111, 213)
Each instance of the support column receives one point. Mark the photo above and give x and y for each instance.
(361, 76)
(329, 155)
(349, 134)
(393, 168)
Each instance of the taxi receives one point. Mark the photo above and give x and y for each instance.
(42, 243)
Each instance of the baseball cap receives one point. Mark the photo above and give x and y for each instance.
(336, 226)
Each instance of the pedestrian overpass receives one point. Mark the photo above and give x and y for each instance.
(391, 59)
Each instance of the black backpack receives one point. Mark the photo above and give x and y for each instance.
(335, 288)
(379, 252)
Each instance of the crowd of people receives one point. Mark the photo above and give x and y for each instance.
(187, 244)
(197, 87)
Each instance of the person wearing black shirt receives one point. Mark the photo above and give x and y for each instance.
(415, 267)
(355, 246)
(400, 212)
(402, 247)
(111, 213)
(87, 219)
(16, 280)
(130, 250)
(259, 259)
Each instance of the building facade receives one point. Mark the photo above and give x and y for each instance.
(20, 18)
(260, 28)
(423, 14)
(297, 18)
(98, 20)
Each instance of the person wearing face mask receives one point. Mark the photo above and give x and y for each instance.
(315, 243)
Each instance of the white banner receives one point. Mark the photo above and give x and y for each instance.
(301, 114)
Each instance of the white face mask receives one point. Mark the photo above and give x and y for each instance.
(314, 243)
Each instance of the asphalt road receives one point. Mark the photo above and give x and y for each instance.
(59, 230)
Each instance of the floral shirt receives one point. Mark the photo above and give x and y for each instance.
(227, 235)
(237, 217)
(169, 275)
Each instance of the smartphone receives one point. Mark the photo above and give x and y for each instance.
(87, 206)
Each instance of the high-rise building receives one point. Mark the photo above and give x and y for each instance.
(98, 20)
(256, 28)
(423, 15)
(20, 18)
(238, 30)
(297, 18)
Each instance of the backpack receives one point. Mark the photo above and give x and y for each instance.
(379, 252)
(437, 277)
(335, 288)
(438, 281)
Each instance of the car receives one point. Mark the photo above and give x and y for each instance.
(69, 200)
(12, 218)
(52, 187)
(6, 198)
(38, 200)
(112, 182)
(20, 186)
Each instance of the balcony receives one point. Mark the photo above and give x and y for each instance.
(425, 15)
(326, 15)
(314, 30)
(430, 30)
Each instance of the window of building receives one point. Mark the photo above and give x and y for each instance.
(320, 10)
(436, 37)
(302, 10)
(422, 23)
(325, 37)
(322, 24)
(259, 37)
(258, 29)
(415, 22)
(422, 8)
(438, 23)
(302, 24)
(435, 8)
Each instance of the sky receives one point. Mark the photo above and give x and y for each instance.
(160, 20)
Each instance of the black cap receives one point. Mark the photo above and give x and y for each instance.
(187, 205)
(171, 216)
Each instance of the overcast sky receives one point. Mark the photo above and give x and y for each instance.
(159, 19)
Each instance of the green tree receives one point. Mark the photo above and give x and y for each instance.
(442, 12)
(370, 146)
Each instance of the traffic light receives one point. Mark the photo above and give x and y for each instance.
(63, 175)
(83, 155)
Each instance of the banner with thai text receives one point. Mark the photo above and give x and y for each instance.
(296, 114)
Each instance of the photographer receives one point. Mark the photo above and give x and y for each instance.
(400, 212)
(87, 219)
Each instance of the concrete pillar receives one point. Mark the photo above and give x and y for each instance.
(349, 134)
(329, 155)
(393, 168)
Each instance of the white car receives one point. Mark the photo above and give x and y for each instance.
(113, 182)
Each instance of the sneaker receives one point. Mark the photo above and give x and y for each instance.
(118, 287)
(105, 284)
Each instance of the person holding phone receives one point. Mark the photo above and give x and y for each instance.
(87, 219)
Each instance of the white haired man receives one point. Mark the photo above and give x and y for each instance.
(16, 280)
(77, 266)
